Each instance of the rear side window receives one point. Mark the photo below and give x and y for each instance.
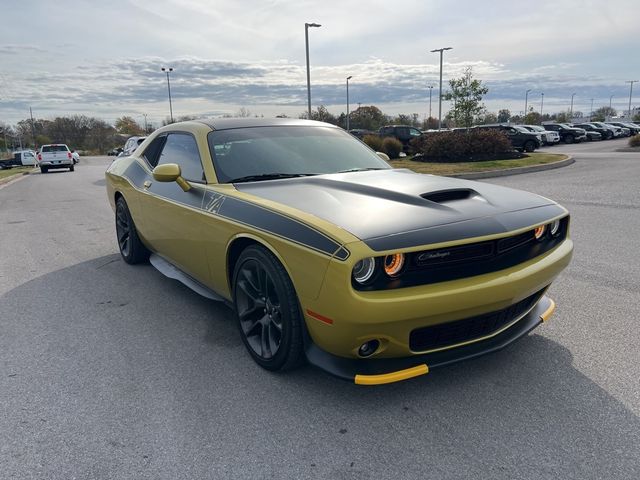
(54, 148)
(152, 152)
(181, 148)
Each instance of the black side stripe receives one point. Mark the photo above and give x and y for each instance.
(240, 211)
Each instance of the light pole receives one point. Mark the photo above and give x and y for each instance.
(430, 87)
(541, 105)
(591, 111)
(167, 70)
(610, 99)
(146, 130)
(440, 91)
(526, 98)
(630, 94)
(306, 42)
(571, 109)
(348, 78)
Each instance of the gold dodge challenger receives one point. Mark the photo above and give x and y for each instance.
(328, 254)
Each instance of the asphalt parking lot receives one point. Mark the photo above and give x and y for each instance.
(109, 371)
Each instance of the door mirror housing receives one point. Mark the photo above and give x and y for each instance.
(383, 156)
(170, 172)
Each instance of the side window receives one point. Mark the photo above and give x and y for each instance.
(152, 152)
(181, 148)
(415, 132)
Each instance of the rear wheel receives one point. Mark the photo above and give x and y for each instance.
(268, 312)
(529, 146)
(131, 247)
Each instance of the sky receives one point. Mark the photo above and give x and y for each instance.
(104, 59)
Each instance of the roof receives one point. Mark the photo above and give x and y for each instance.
(227, 123)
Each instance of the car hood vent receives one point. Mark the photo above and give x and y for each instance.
(451, 195)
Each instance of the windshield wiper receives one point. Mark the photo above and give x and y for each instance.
(269, 176)
(361, 169)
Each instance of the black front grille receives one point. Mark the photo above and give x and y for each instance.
(464, 261)
(459, 331)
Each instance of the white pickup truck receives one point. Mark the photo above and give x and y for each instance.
(55, 156)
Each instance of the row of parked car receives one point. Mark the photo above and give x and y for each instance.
(56, 155)
(526, 138)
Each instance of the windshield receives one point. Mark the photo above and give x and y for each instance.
(282, 151)
(522, 129)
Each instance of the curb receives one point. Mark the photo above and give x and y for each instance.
(515, 171)
(13, 178)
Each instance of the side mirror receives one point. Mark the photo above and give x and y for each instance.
(170, 172)
(383, 156)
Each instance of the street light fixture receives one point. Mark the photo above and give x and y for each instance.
(167, 70)
(306, 42)
(348, 78)
(440, 91)
(571, 109)
(630, 94)
(526, 98)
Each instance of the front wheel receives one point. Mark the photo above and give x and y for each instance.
(267, 309)
(72, 168)
(131, 247)
(44, 169)
(529, 147)
(569, 139)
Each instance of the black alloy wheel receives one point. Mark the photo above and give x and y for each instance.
(131, 247)
(529, 146)
(267, 309)
(569, 139)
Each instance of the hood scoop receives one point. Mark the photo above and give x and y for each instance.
(450, 195)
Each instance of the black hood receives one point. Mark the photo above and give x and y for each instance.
(399, 208)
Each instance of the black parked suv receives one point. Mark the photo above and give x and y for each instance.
(635, 129)
(404, 133)
(567, 134)
(521, 138)
(590, 127)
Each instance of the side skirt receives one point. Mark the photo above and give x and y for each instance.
(171, 271)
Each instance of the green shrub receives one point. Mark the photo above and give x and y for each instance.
(374, 141)
(635, 141)
(475, 144)
(392, 147)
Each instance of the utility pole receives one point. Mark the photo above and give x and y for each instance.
(33, 130)
(146, 130)
(571, 110)
(167, 70)
(591, 111)
(430, 87)
(526, 97)
(541, 105)
(631, 82)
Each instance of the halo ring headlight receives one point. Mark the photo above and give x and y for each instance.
(539, 232)
(554, 228)
(393, 264)
(364, 269)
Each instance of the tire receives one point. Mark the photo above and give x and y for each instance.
(529, 146)
(569, 139)
(609, 135)
(72, 168)
(267, 310)
(44, 169)
(131, 247)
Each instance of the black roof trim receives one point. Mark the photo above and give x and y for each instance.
(228, 123)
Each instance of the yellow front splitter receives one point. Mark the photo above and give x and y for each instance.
(392, 377)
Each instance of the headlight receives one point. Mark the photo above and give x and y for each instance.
(393, 264)
(554, 228)
(539, 232)
(363, 270)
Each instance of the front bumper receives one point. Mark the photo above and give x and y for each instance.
(389, 370)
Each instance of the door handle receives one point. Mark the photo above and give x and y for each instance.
(146, 184)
